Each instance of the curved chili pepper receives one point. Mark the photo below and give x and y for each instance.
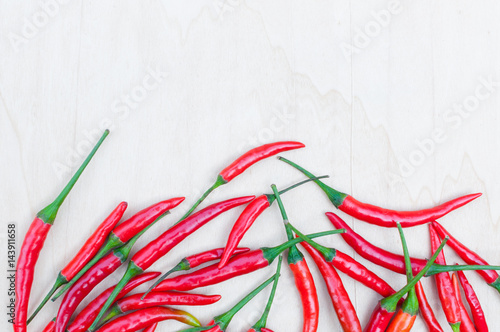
(238, 265)
(242, 163)
(221, 322)
(157, 248)
(386, 308)
(85, 254)
(92, 278)
(248, 217)
(447, 297)
(385, 217)
(260, 325)
(470, 257)
(475, 306)
(33, 244)
(426, 310)
(83, 320)
(134, 302)
(405, 317)
(146, 317)
(193, 261)
(124, 232)
(340, 299)
(302, 275)
(466, 324)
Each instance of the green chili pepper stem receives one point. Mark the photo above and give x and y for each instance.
(61, 280)
(496, 284)
(182, 266)
(262, 322)
(436, 268)
(335, 196)
(303, 182)
(455, 327)
(132, 271)
(294, 255)
(224, 319)
(113, 242)
(390, 303)
(271, 253)
(113, 312)
(48, 214)
(328, 253)
(219, 182)
(410, 305)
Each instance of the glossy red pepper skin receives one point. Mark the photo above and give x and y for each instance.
(264, 329)
(154, 299)
(385, 217)
(83, 320)
(466, 324)
(33, 243)
(373, 253)
(151, 328)
(130, 227)
(51, 326)
(243, 223)
(144, 318)
(211, 275)
(446, 294)
(340, 299)
(157, 248)
(30, 250)
(94, 242)
(209, 255)
(379, 320)
(75, 295)
(470, 257)
(474, 304)
(402, 322)
(252, 156)
(308, 295)
(426, 310)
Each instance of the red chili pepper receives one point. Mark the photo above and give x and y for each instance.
(248, 217)
(260, 325)
(221, 322)
(92, 278)
(466, 324)
(157, 248)
(83, 320)
(447, 297)
(386, 308)
(151, 328)
(237, 266)
(193, 261)
(426, 310)
(470, 257)
(134, 302)
(144, 318)
(85, 254)
(242, 163)
(124, 232)
(475, 306)
(405, 318)
(33, 244)
(340, 299)
(51, 326)
(385, 217)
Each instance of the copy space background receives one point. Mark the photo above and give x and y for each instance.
(396, 101)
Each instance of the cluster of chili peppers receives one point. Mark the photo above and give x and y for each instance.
(112, 242)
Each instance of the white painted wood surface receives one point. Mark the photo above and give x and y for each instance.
(408, 120)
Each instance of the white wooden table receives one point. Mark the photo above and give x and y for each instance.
(396, 100)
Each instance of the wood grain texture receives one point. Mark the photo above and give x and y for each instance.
(408, 120)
